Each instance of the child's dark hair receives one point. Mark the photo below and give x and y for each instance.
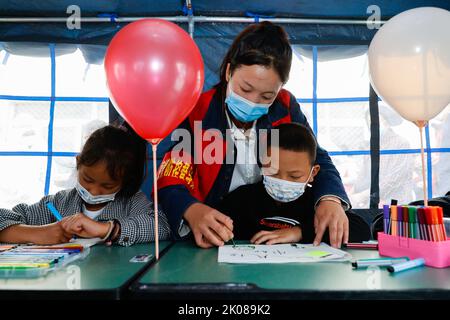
(264, 44)
(123, 151)
(296, 137)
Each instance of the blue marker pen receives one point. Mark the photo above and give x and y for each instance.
(53, 210)
(406, 265)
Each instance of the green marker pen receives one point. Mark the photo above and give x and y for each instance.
(412, 222)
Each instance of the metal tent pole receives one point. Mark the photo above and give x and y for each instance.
(187, 19)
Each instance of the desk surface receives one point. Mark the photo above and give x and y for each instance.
(187, 271)
(104, 273)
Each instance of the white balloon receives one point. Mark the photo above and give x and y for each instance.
(409, 61)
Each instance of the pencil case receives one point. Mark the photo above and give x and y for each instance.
(435, 253)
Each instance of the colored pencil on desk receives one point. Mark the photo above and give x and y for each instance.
(31, 265)
(45, 251)
(75, 247)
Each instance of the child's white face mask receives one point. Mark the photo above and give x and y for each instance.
(283, 190)
(90, 199)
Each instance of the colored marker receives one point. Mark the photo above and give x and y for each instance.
(419, 224)
(432, 222)
(394, 220)
(39, 254)
(46, 251)
(405, 222)
(53, 210)
(18, 267)
(19, 264)
(406, 265)
(429, 221)
(446, 227)
(416, 225)
(361, 246)
(379, 262)
(423, 224)
(14, 260)
(400, 224)
(441, 221)
(74, 247)
(386, 218)
(435, 221)
(412, 222)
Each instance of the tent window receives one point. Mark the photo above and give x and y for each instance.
(51, 99)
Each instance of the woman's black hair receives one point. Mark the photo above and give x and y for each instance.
(123, 151)
(264, 44)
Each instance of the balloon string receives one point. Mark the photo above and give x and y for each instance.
(422, 153)
(155, 201)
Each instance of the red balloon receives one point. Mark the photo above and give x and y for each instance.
(154, 72)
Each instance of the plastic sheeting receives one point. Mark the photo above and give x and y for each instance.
(101, 33)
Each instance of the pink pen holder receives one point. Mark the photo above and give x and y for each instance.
(435, 253)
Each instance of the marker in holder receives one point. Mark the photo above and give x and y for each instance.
(416, 232)
(436, 254)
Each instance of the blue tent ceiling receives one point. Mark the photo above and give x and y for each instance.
(101, 33)
(355, 9)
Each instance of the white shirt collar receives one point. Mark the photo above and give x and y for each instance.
(241, 134)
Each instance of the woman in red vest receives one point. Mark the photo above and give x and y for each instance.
(248, 99)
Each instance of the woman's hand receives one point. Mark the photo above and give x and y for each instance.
(288, 235)
(331, 215)
(84, 226)
(209, 226)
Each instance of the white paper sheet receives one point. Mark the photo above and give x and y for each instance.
(280, 253)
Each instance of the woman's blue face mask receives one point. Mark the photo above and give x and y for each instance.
(242, 109)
